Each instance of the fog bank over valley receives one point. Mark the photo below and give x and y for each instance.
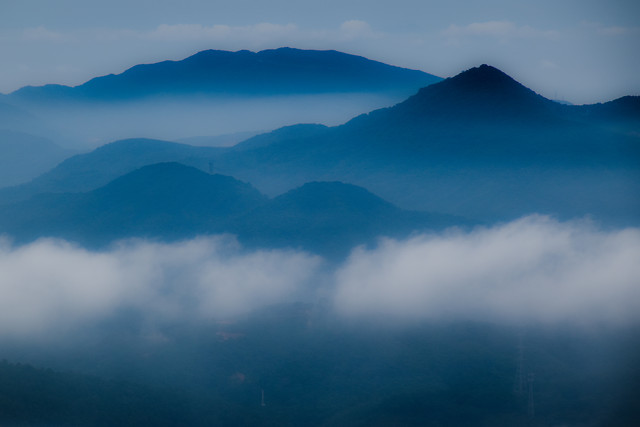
(534, 269)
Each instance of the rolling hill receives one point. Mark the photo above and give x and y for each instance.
(88, 171)
(165, 200)
(171, 201)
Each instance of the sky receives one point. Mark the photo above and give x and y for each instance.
(583, 51)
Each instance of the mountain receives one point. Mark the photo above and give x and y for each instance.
(22, 120)
(85, 172)
(476, 145)
(622, 114)
(283, 71)
(10, 114)
(217, 92)
(331, 218)
(164, 200)
(170, 201)
(24, 157)
(483, 92)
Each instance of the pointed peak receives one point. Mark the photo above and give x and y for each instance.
(484, 76)
(484, 83)
(481, 93)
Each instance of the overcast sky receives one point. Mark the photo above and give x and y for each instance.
(583, 51)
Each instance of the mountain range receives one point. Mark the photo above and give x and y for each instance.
(283, 71)
(478, 146)
(171, 201)
(395, 336)
(208, 94)
(24, 157)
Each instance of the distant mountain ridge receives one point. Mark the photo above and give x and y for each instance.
(88, 171)
(23, 157)
(282, 71)
(211, 93)
(332, 218)
(479, 145)
(171, 201)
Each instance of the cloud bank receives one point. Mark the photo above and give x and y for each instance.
(51, 284)
(500, 29)
(531, 270)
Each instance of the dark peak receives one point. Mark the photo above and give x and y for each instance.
(324, 194)
(486, 78)
(481, 92)
(159, 173)
(177, 180)
(215, 53)
(486, 70)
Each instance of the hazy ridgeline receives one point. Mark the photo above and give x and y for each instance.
(469, 256)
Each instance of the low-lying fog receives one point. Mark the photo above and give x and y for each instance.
(84, 126)
(535, 269)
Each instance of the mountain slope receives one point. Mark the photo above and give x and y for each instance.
(331, 218)
(478, 144)
(170, 201)
(85, 172)
(24, 157)
(17, 119)
(283, 71)
(218, 92)
(164, 200)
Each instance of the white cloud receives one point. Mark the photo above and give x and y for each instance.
(548, 64)
(534, 269)
(356, 29)
(50, 283)
(42, 34)
(497, 29)
(254, 33)
(618, 31)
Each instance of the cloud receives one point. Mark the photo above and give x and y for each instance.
(356, 29)
(261, 34)
(618, 31)
(534, 269)
(548, 64)
(50, 284)
(187, 32)
(42, 34)
(497, 29)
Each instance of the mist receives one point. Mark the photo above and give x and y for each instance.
(207, 325)
(535, 269)
(51, 285)
(87, 125)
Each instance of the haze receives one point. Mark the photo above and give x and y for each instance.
(319, 213)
